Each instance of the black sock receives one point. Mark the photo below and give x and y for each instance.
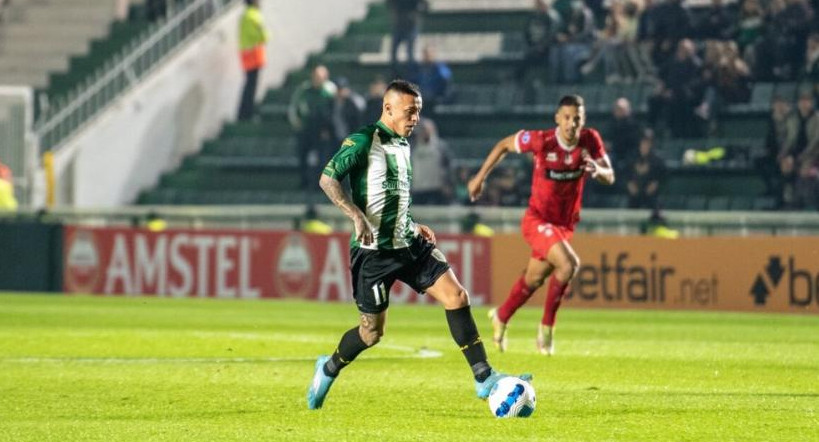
(349, 347)
(465, 332)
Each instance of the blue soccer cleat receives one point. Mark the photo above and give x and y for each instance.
(320, 384)
(484, 388)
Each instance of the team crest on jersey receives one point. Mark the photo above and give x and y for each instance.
(568, 159)
(348, 142)
(526, 137)
(551, 156)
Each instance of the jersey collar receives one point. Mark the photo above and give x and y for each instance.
(386, 132)
(563, 145)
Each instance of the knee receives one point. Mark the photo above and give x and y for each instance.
(370, 335)
(569, 268)
(458, 299)
(533, 281)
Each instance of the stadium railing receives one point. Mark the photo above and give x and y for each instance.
(126, 69)
(445, 219)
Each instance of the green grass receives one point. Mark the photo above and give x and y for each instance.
(139, 369)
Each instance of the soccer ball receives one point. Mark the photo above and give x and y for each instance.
(512, 397)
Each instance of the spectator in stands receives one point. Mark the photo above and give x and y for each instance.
(8, 202)
(672, 23)
(810, 74)
(645, 175)
(375, 99)
(348, 110)
(750, 29)
(623, 134)
(790, 26)
(434, 78)
(727, 80)
(575, 40)
(718, 22)
(431, 166)
(311, 117)
(540, 35)
(462, 176)
(802, 136)
(615, 42)
(252, 39)
(407, 16)
(775, 140)
(678, 92)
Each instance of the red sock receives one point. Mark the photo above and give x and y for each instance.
(518, 296)
(553, 297)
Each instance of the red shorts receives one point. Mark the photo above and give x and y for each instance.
(542, 235)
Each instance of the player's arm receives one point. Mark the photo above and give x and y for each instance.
(333, 189)
(496, 155)
(351, 155)
(599, 169)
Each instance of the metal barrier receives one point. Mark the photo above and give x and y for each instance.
(136, 61)
(444, 219)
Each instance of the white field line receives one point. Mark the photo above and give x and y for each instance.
(410, 353)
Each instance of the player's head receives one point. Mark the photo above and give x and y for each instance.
(570, 117)
(401, 110)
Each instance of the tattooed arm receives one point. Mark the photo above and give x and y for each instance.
(334, 191)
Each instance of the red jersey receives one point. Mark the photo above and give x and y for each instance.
(558, 178)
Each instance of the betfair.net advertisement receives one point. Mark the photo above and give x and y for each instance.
(737, 274)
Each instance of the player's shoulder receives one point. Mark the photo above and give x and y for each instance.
(529, 134)
(361, 138)
(589, 132)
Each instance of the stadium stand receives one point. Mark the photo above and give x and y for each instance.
(255, 162)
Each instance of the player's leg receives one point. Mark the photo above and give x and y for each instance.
(451, 294)
(372, 276)
(537, 270)
(566, 263)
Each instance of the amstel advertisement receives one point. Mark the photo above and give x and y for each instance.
(240, 264)
(772, 274)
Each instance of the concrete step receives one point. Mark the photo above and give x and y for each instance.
(45, 47)
(55, 31)
(28, 78)
(17, 62)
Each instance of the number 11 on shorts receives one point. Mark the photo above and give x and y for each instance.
(379, 293)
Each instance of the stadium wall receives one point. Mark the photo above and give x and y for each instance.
(186, 101)
(771, 274)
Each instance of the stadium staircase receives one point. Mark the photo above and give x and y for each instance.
(255, 162)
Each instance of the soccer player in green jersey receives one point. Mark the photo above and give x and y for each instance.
(388, 245)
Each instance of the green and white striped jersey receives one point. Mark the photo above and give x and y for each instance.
(378, 163)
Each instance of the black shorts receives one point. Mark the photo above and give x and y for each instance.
(374, 272)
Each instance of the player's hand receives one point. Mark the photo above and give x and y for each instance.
(427, 233)
(590, 166)
(475, 187)
(363, 230)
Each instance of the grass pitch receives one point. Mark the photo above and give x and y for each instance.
(139, 369)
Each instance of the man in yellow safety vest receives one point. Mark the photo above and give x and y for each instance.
(252, 38)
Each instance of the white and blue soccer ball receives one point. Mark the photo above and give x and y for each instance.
(512, 397)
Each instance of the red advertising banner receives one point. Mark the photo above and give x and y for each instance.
(241, 264)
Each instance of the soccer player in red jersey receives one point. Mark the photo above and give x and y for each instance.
(563, 157)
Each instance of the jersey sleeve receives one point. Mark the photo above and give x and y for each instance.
(352, 154)
(595, 145)
(529, 141)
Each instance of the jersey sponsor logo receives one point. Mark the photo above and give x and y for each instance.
(393, 186)
(564, 175)
(526, 137)
(348, 142)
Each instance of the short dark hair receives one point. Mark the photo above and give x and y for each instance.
(571, 100)
(403, 86)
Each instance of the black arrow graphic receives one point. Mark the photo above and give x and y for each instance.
(775, 269)
(759, 291)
